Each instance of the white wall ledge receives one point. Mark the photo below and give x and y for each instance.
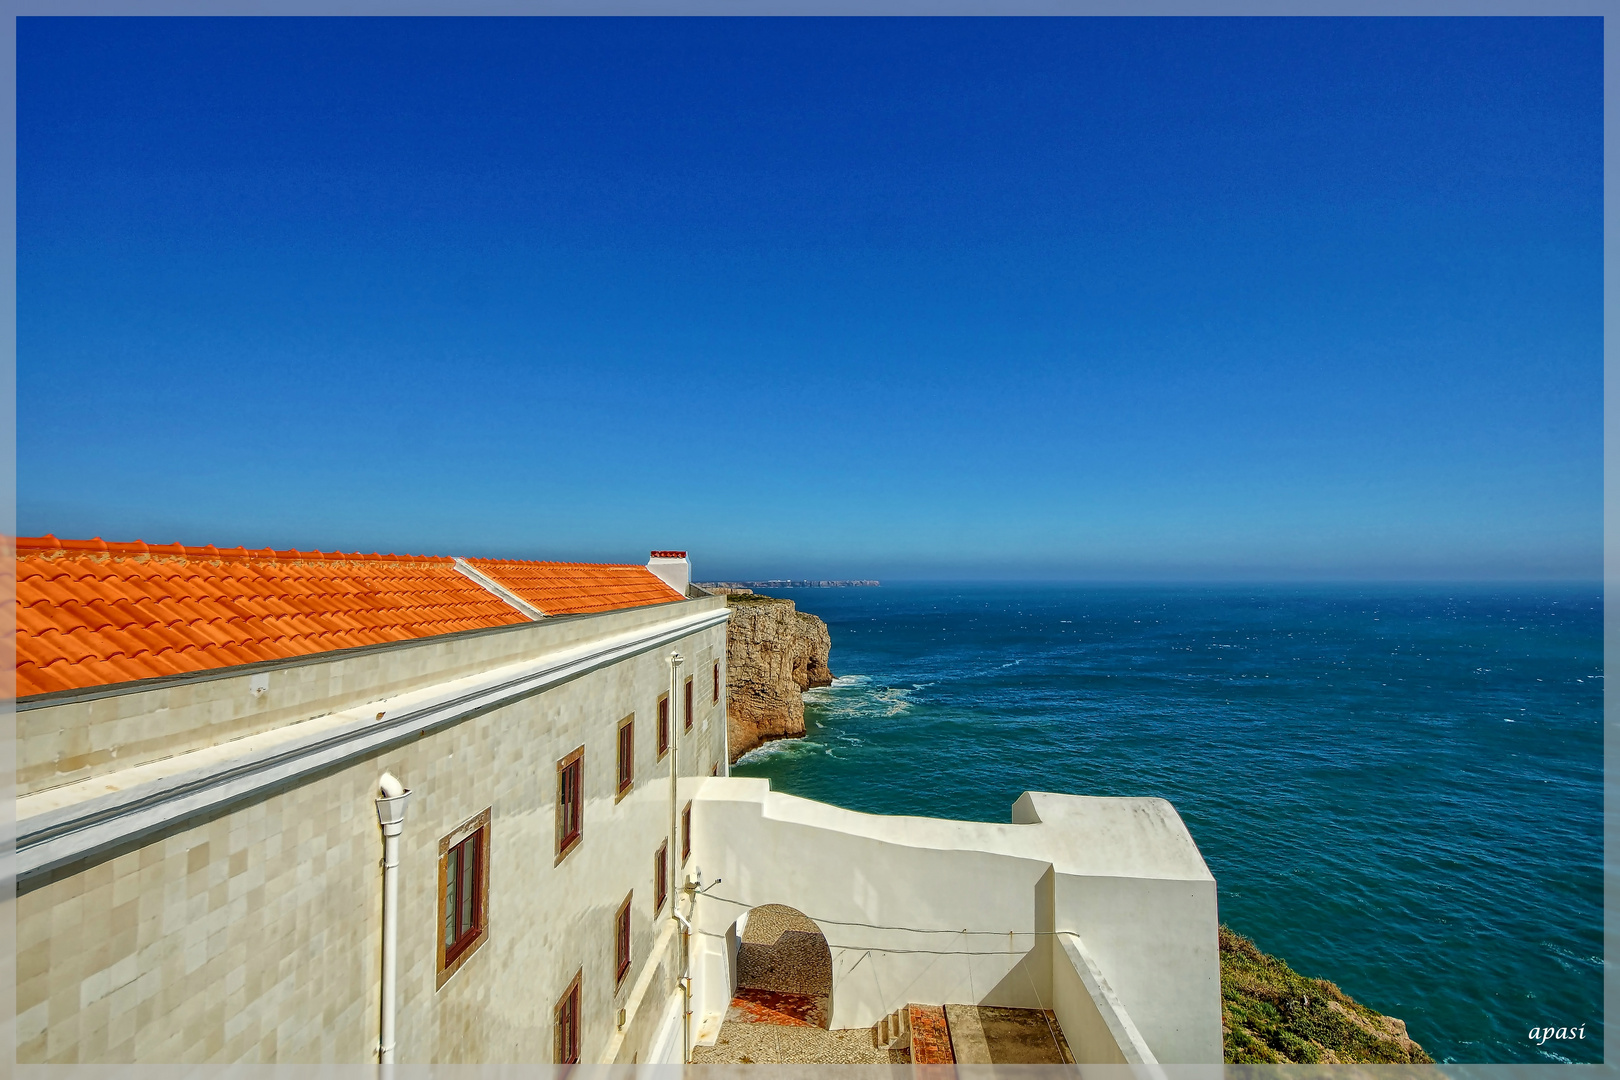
(74, 822)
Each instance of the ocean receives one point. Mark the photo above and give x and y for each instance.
(1397, 788)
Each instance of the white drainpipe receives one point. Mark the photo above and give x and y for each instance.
(391, 816)
(686, 985)
(675, 721)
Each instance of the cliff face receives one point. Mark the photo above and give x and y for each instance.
(774, 653)
(1273, 1015)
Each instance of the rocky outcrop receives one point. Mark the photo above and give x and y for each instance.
(774, 653)
(1270, 1014)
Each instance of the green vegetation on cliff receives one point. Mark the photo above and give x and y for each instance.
(1273, 1015)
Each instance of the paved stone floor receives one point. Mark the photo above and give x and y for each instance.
(783, 1003)
(985, 1035)
(752, 1006)
(769, 921)
(781, 1044)
(782, 950)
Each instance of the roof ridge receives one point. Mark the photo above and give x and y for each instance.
(48, 542)
(550, 562)
(490, 585)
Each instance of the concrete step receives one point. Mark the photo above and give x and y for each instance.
(893, 1032)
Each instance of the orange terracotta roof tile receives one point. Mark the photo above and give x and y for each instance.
(578, 588)
(93, 613)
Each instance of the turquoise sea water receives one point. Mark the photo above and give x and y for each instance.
(1396, 788)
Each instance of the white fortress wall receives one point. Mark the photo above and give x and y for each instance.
(1130, 884)
(1096, 1025)
(893, 896)
(775, 848)
(251, 932)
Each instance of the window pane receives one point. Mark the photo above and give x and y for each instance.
(568, 1027)
(450, 899)
(469, 877)
(573, 798)
(626, 752)
(570, 798)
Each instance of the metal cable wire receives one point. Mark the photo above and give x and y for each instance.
(906, 929)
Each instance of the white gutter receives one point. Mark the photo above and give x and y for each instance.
(674, 713)
(686, 980)
(80, 820)
(478, 577)
(391, 816)
(675, 698)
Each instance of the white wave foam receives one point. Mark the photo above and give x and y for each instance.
(769, 750)
(893, 700)
(841, 684)
(854, 697)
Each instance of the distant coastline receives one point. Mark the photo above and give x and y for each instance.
(784, 584)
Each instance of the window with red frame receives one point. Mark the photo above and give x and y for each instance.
(627, 754)
(663, 725)
(686, 718)
(463, 896)
(568, 1024)
(621, 942)
(570, 801)
(660, 877)
(716, 699)
(686, 833)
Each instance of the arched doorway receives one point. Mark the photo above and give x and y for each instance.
(784, 968)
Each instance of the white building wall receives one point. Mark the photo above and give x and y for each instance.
(75, 735)
(254, 936)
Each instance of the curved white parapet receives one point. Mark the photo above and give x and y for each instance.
(1029, 914)
(1097, 1026)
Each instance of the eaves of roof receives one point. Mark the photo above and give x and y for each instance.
(107, 617)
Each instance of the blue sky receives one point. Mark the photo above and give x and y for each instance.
(859, 298)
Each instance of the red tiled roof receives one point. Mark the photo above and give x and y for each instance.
(91, 613)
(578, 588)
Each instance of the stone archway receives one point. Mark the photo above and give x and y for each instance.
(784, 968)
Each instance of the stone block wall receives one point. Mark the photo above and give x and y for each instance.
(255, 936)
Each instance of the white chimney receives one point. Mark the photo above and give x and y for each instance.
(672, 568)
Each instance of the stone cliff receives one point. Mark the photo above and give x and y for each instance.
(774, 653)
(1273, 1015)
